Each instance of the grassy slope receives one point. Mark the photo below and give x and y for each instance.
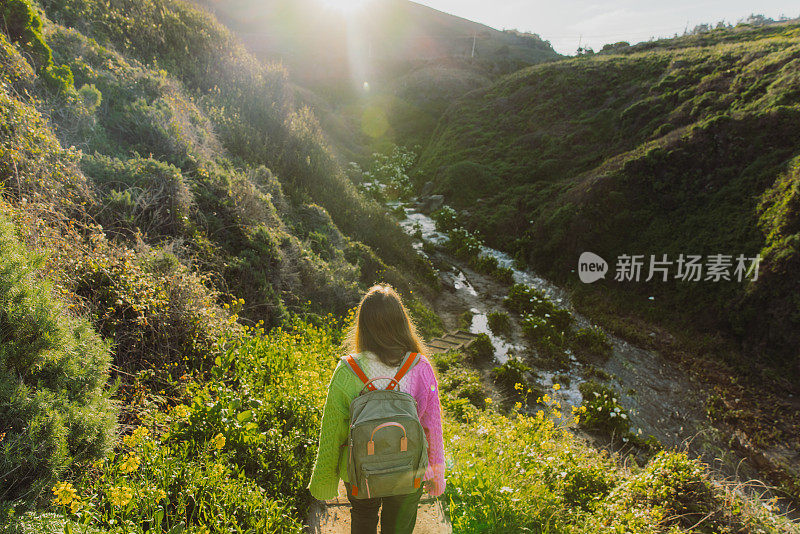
(678, 146)
(194, 197)
(415, 59)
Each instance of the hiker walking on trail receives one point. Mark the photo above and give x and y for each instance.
(382, 425)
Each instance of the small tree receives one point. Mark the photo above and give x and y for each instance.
(54, 409)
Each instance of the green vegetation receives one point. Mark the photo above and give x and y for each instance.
(55, 411)
(591, 343)
(24, 27)
(514, 380)
(481, 348)
(467, 246)
(518, 472)
(499, 323)
(550, 329)
(195, 200)
(386, 177)
(680, 146)
(601, 410)
(234, 453)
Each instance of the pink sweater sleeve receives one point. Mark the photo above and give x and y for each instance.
(426, 391)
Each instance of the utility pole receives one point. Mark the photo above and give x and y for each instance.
(473, 44)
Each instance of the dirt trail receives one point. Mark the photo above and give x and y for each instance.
(333, 517)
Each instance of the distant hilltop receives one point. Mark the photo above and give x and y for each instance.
(316, 41)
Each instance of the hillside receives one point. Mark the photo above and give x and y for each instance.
(684, 146)
(320, 45)
(175, 194)
(382, 74)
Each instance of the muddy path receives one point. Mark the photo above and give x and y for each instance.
(663, 400)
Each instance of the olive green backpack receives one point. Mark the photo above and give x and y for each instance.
(388, 449)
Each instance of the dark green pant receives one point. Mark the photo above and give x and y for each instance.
(398, 515)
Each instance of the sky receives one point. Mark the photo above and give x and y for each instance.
(594, 23)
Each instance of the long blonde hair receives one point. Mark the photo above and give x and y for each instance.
(382, 326)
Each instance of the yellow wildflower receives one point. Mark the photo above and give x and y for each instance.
(119, 495)
(546, 398)
(218, 441)
(218, 470)
(133, 439)
(556, 386)
(488, 400)
(181, 411)
(75, 505)
(517, 405)
(130, 463)
(518, 386)
(64, 493)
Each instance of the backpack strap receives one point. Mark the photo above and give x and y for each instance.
(412, 359)
(353, 364)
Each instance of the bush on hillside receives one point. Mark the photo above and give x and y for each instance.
(481, 348)
(591, 343)
(603, 411)
(159, 314)
(24, 26)
(139, 195)
(499, 323)
(513, 380)
(54, 411)
(465, 182)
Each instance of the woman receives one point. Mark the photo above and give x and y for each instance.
(381, 337)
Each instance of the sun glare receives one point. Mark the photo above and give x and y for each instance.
(344, 5)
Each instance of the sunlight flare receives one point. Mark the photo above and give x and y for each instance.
(344, 5)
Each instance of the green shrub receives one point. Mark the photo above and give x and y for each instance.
(680, 485)
(428, 323)
(504, 275)
(159, 314)
(446, 219)
(585, 484)
(463, 244)
(591, 343)
(484, 264)
(481, 348)
(24, 26)
(603, 411)
(390, 171)
(465, 320)
(526, 300)
(539, 331)
(513, 380)
(499, 323)
(143, 195)
(54, 409)
(91, 97)
(443, 361)
(463, 383)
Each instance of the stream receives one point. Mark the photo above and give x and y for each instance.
(661, 399)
